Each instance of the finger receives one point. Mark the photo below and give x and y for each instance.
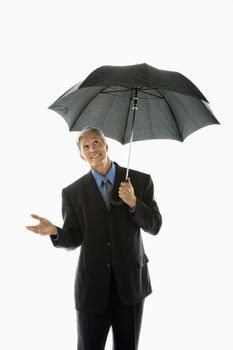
(31, 228)
(124, 184)
(129, 182)
(34, 216)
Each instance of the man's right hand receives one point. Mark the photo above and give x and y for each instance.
(44, 227)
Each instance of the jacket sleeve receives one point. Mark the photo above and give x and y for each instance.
(70, 235)
(147, 214)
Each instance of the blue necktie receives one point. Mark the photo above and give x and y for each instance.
(107, 189)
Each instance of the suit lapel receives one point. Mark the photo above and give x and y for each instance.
(93, 191)
(120, 176)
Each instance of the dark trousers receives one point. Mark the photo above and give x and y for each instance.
(125, 321)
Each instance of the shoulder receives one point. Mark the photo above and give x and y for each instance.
(134, 174)
(140, 179)
(78, 183)
(137, 173)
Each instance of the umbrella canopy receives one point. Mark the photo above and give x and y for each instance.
(168, 105)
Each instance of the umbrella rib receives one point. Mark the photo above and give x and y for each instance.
(174, 119)
(148, 93)
(110, 91)
(83, 109)
(126, 123)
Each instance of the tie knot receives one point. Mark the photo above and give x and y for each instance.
(105, 180)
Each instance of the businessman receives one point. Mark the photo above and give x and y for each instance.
(112, 278)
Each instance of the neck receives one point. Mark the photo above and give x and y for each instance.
(104, 169)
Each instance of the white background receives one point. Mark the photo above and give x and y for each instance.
(48, 46)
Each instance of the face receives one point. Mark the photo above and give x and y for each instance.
(94, 151)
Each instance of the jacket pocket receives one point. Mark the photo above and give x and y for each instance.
(142, 260)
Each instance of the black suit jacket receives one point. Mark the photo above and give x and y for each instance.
(108, 240)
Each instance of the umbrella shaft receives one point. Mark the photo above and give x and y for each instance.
(134, 108)
(130, 146)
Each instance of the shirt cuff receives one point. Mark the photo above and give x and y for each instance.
(55, 237)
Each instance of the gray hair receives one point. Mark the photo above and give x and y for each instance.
(87, 130)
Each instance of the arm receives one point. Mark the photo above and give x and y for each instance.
(70, 235)
(147, 214)
(145, 211)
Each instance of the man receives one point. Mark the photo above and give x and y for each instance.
(112, 278)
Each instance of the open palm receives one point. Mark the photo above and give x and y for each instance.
(44, 227)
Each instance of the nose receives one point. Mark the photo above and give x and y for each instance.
(92, 147)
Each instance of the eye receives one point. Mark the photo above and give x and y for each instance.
(96, 142)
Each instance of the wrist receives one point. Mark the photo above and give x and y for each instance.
(53, 231)
(132, 205)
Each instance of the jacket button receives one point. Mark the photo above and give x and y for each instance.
(109, 244)
(108, 265)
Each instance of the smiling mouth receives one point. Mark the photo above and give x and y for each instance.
(95, 156)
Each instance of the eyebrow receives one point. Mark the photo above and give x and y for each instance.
(86, 143)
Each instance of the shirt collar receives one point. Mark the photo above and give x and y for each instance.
(110, 175)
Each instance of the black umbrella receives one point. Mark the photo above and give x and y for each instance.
(137, 102)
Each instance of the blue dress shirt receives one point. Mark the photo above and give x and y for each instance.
(99, 178)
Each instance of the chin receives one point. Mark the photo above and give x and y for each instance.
(99, 163)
